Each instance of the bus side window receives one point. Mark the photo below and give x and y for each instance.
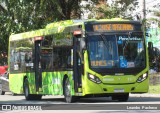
(46, 58)
(69, 61)
(55, 58)
(27, 57)
(61, 58)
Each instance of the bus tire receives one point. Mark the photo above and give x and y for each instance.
(67, 92)
(26, 90)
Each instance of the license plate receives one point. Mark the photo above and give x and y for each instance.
(118, 90)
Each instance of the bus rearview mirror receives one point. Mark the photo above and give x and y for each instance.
(82, 44)
(150, 48)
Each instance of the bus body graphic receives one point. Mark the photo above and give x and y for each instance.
(80, 58)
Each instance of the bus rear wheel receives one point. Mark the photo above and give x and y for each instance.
(67, 92)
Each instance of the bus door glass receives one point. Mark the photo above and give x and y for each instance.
(38, 70)
(77, 63)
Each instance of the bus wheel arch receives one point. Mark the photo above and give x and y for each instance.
(27, 94)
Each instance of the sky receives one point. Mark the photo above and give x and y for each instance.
(150, 5)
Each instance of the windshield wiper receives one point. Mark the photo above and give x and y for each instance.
(129, 36)
(104, 40)
(106, 45)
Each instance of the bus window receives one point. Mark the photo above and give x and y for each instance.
(62, 58)
(46, 57)
(21, 56)
(46, 53)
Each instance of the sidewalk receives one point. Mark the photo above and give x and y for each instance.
(144, 95)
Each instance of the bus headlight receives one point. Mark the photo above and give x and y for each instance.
(142, 77)
(94, 79)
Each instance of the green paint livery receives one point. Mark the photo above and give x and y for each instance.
(31, 73)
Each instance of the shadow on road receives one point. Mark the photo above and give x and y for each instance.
(20, 99)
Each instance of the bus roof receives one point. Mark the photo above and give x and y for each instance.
(79, 22)
(59, 27)
(31, 34)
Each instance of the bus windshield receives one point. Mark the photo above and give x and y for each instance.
(116, 51)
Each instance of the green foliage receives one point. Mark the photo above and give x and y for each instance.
(25, 15)
(154, 83)
(157, 13)
(155, 18)
(109, 11)
(118, 8)
(154, 89)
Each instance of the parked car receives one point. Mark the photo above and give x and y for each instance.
(3, 69)
(4, 83)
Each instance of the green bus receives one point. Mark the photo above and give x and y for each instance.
(80, 58)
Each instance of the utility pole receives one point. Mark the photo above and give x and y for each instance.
(144, 13)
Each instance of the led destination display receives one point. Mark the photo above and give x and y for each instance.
(112, 27)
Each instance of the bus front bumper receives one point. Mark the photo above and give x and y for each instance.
(115, 88)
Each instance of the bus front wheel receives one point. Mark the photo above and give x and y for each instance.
(26, 90)
(67, 92)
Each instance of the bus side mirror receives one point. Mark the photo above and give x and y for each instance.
(150, 45)
(150, 48)
(83, 44)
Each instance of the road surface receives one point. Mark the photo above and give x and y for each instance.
(136, 103)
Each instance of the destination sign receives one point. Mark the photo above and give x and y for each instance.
(112, 27)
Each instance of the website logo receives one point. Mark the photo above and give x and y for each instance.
(6, 107)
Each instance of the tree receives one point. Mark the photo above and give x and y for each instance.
(25, 15)
(16, 16)
(157, 14)
(118, 8)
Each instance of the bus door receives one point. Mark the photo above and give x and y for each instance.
(37, 63)
(77, 65)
